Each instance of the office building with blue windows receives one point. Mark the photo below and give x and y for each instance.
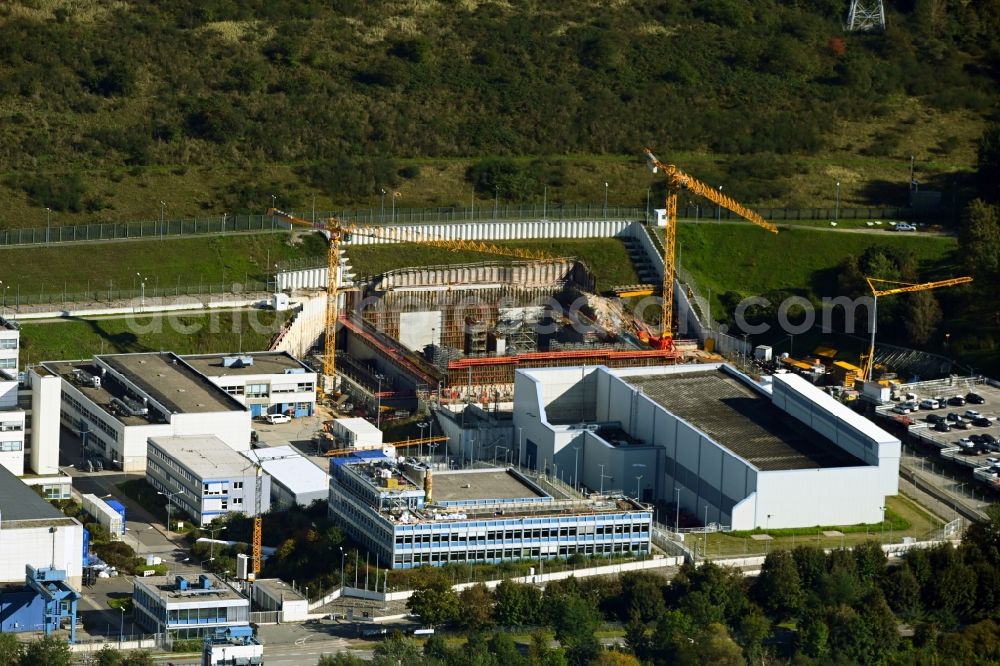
(408, 515)
(182, 609)
(204, 477)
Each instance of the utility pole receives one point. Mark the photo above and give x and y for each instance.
(866, 16)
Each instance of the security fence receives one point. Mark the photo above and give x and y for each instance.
(381, 215)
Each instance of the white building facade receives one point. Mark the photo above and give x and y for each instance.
(732, 452)
(206, 478)
(116, 403)
(266, 382)
(10, 343)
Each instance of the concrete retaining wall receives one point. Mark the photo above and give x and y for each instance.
(304, 331)
(315, 278)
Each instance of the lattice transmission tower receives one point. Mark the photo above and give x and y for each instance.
(866, 16)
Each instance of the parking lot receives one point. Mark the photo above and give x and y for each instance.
(990, 409)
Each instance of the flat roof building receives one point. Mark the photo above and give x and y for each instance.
(294, 478)
(33, 532)
(209, 478)
(114, 403)
(182, 608)
(777, 454)
(266, 382)
(357, 433)
(408, 515)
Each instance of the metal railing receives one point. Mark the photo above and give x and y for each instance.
(16, 301)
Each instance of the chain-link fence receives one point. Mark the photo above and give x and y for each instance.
(113, 294)
(381, 215)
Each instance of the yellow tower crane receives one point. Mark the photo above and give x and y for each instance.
(677, 180)
(867, 365)
(258, 521)
(338, 233)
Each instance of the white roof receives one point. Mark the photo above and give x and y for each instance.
(835, 408)
(359, 426)
(297, 473)
(206, 456)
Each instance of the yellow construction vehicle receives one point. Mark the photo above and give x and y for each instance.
(900, 288)
(338, 233)
(677, 180)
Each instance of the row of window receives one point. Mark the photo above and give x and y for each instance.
(499, 555)
(621, 531)
(11, 426)
(8, 343)
(8, 363)
(101, 424)
(172, 464)
(11, 446)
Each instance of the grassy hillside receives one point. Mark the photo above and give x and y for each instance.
(164, 264)
(214, 106)
(185, 334)
(750, 261)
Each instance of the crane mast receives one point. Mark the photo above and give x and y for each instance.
(677, 180)
(867, 367)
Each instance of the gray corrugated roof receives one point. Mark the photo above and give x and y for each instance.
(19, 502)
(742, 420)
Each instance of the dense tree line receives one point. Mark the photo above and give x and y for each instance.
(234, 81)
(938, 605)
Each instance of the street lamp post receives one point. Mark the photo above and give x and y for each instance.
(836, 211)
(341, 567)
(142, 291)
(605, 200)
(382, 213)
(394, 195)
(211, 543)
(576, 468)
(162, 208)
(882, 525)
(378, 402)
(677, 512)
(420, 444)
(496, 200)
(704, 550)
(121, 627)
(48, 223)
(719, 208)
(638, 478)
(170, 503)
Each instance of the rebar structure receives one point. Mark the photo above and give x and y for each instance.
(866, 16)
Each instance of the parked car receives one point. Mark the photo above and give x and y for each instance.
(975, 399)
(904, 226)
(976, 439)
(956, 401)
(942, 426)
(965, 443)
(992, 461)
(961, 424)
(953, 416)
(982, 422)
(275, 419)
(989, 439)
(972, 414)
(929, 403)
(935, 418)
(902, 409)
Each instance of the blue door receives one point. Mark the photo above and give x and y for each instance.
(256, 410)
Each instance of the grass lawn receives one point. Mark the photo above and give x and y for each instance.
(99, 267)
(606, 257)
(904, 517)
(749, 260)
(182, 333)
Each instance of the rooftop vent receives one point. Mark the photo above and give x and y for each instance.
(182, 583)
(237, 361)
